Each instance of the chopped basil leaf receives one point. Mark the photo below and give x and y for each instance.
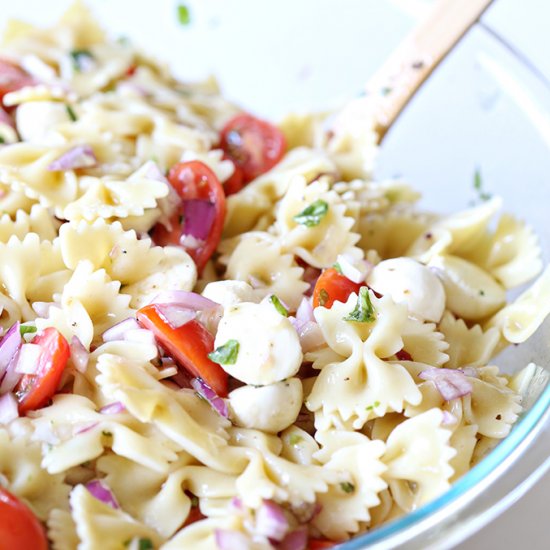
(313, 214)
(226, 354)
(478, 186)
(27, 329)
(337, 267)
(71, 113)
(278, 305)
(364, 310)
(373, 406)
(184, 17)
(294, 439)
(79, 58)
(347, 487)
(2, 140)
(145, 544)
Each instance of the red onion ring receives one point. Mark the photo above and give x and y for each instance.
(99, 490)
(203, 389)
(451, 383)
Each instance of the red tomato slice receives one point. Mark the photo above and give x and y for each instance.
(189, 345)
(12, 78)
(253, 144)
(19, 528)
(201, 214)
(318, 544)
(35, 390)
(332, 286)
(236, 182)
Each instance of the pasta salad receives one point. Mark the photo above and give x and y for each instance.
(218, 333)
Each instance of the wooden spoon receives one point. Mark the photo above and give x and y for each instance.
(392, 87)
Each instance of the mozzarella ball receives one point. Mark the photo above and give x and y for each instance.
(412, 283)
(269, 347)
(269, 408)
(36, 119)
(229, 293)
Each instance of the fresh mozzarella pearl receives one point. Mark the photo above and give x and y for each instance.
(229, 293)
(36, 119)
(269, 347)
(269, 408)
(408, 281)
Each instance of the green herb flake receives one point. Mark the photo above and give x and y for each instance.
(2, 140)
(27, 329)
(323, 297)
(364, 310)
(71, 113)
(184, 16)
(79, 57)
(295, 439)
(347, 487)
(145, 544)
(313, 214)
(226, 354)
(482, 293)
(478, 186)
(278, 305)
(337, 267)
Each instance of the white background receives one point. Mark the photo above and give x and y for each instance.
(275, 56)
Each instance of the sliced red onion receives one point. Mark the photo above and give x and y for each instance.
(190, 300)
(86, 427)
(202, 388)
(451, 383)
(8, 408)
(28, 357)
(305, 310)
(116, 332)
(113, 408)
(11, 376)
(81, 156)
(237, 504)
(79, 355)
(227, 539)
(310, 334)
(176, 315)
(99, 490)
(271, 521)
(295, 540)
(9, 346)
(199, 216)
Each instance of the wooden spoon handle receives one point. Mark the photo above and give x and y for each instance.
(395, 83)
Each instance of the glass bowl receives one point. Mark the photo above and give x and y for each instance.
(485, 108)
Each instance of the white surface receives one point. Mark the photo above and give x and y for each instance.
(470, 114)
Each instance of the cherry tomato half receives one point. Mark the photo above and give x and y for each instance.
(254, 145)
(12, 78)
(19, 528)
(332, 286)
(198, 223)
(318, 544)
(189, 345)
(236, 182)
(35, 390)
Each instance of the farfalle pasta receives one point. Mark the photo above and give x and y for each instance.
(211, 344)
